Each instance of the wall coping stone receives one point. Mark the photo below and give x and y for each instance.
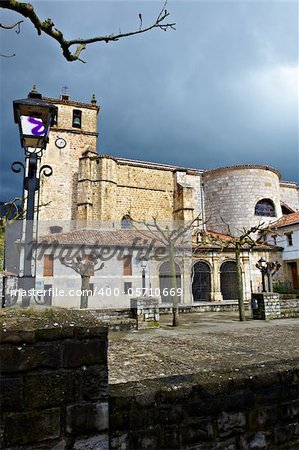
(256, 375)
(42, 324)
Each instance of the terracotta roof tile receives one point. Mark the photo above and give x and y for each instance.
(288, 219)
(96, 237)
(125, 238)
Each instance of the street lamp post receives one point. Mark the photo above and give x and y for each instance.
(262, 266)
(34, 117)
(143, 263)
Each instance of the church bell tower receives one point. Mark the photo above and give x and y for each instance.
(73, 133)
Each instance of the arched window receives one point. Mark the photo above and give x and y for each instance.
(126, 223)
(201, 285)
(265, 207)
(228, 280)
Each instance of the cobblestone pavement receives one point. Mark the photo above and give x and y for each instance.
(204, 342)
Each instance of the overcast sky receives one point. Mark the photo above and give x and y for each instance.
(220, 90)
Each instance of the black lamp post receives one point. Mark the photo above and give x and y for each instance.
(143, 263)
(34, 117)
(262, 266)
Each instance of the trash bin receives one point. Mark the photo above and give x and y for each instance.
(258, 307)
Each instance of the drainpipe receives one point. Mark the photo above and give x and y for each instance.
(202, 200)
(250, 273)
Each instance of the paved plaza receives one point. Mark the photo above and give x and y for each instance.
(204, 343)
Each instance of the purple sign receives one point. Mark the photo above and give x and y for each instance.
(39, 129)
(33, 126)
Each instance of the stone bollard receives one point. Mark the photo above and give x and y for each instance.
(146, 312)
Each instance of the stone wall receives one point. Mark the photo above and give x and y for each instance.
(289, 307)
(271, 305)
(59, 192)
(289, 193)
(266, 306)
(231, 194)
(257, 409)
(114, 188)
(145, 310)
(54, 380)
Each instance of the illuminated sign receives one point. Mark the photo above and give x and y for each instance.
(33, 126)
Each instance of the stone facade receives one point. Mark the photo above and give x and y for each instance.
(87, 188)
(232, 193)
(107, 188)
(58, 195)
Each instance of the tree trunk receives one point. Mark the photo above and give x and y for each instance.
(175, 302)
(84, 293)
(270, 282)
(240, 285)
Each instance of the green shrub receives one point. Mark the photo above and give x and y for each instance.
(283, 287)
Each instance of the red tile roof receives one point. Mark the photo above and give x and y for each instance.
(288, 219)
(96, 237)
(125, 238)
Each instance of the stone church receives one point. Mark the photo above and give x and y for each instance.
(86, 188)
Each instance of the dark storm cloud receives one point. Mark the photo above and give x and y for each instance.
(222, 89)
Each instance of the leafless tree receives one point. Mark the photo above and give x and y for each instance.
(85, 266)
(72, 49)
(11, 211)
(173, 239)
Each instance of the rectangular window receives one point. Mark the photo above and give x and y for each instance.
(289, 237)
(48, 265)
(127, 265)
(77, 118)
(127, 287)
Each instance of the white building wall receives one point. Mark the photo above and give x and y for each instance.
(289, 194)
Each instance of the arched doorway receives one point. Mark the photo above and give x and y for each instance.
(201, 285)
(228, 280)
(165, 278)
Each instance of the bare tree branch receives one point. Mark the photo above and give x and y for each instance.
(7, 56)
(14, 25)
(47, 27)
(170, 237)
